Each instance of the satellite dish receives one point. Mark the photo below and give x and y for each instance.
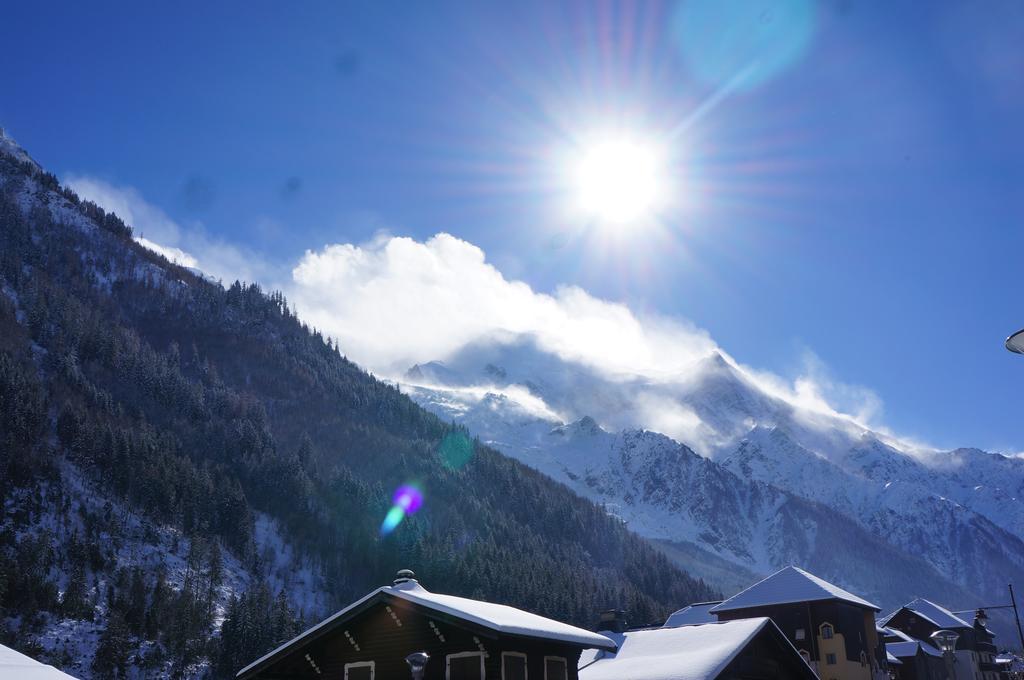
(1015, 343)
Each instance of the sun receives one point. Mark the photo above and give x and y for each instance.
(619, 180)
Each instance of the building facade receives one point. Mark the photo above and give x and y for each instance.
(458, 638)
(834, 630)
(975, 655)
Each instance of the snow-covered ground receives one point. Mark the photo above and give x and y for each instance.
(134, 541)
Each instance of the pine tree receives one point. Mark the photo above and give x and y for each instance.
(114, 649)
(74, 602)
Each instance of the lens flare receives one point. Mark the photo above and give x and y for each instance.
(456, 450)
(754, 39)
(392, 520)
(407, 499)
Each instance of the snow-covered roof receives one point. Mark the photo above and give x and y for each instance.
(497, 617)
(699, 612)
(940, 616)
(892, 659)
(699, 652)
(909, 648)
(788, 585)
(15, 665)
(896, 632)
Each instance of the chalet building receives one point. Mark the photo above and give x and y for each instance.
(916, 659)
(834, 630)
(975, 652)
(455, 637)
(746, 649)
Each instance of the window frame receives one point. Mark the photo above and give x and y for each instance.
(831, 659)
(565, 667)
(831, 631)
(520, 655)
(463, 655)
(361, 664)
(800, 634)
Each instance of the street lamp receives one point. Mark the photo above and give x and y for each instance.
(946, 641)
(417, 664)
(1015, 343)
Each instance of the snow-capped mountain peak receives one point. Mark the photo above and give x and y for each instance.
(774, 483)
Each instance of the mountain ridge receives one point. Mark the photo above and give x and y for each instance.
(146, 410)
(955, 516)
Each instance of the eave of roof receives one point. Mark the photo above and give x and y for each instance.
(445, 605)
(825, 592)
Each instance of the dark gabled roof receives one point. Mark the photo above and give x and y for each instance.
(928, 610)
(497, 618)
(787, 586)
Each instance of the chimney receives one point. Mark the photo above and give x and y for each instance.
(613, 620)
(405, 576)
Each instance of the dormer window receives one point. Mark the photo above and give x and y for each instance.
(826, 631)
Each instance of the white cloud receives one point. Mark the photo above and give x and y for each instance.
(173, 254)
(153, 228)
(394, 301)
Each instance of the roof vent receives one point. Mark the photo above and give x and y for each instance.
(613, 620)
(405, 576)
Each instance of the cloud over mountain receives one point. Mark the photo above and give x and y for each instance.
(189, 246)
(394, 301)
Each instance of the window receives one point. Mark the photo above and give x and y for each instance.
(513, 666)
(555, 668)
(800, 634)
(826, 631)
(806, 656)
(362, 670)
(464, 666)
(830, 659)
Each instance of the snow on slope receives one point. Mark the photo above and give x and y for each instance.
(755, 493)
(130, 540)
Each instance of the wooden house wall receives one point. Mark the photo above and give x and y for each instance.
(767, 657)
(386, 637)
(916, 626)
(855, 624)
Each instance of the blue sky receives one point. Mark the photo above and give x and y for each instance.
(859, 200)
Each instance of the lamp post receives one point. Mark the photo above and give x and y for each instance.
(417, 664)
(946, 641)
(1015, 343)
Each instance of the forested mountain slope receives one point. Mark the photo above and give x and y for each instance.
(174, 452)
